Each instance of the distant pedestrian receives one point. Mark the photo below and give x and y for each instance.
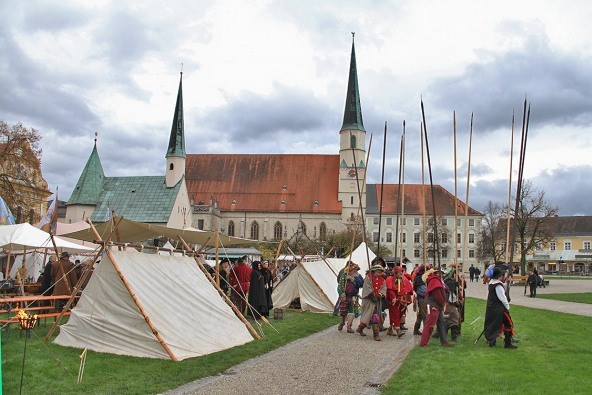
(471, 273)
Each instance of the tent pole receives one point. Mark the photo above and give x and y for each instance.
(19, 275)
(224, 296)
(217, 245)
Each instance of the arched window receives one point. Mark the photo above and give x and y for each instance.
(303, 228)
(254, 230)
(353, 141)
(231, 228)
(277, 231)
(323, 231)
(171, 167)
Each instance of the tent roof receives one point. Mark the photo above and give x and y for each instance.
(130, 231)
(27, 236)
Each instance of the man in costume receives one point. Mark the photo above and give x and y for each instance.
(497, 313)
(436, 302)
(64, 275)
(349, 282)
(452, 316)
(240, 280)
(373, 291)
(397, 291)
(419, 303)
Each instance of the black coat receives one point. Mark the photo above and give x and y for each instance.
(494, 314)
(257, 296)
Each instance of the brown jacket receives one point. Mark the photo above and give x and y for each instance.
(62, 287)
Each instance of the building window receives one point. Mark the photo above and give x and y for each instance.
(389, 221)
(471, 221)
(430, 237)
(277, 231)
(458, 238)
(586, 245)
(171, 167)
(404, 221)
(351, 200)
(200, 224)
(375, 237)
(376, 220)
(416, 237)
(458, 255)
(471, 253)
(444, 253)
(416, 253)
(471, 237)
(323, 231)
(552, 246)
(416, 221)
(444, 238)
(444, 222)
(303, 227)
(353, 141)
(254, 230)
(231, 228)
(389, 237)
(404, 238)
(567, 245)
(403, 253)
(458, 222)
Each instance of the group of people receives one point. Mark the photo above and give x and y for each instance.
(60, 276)
(250, 286)
(429, 290)
(474, 273)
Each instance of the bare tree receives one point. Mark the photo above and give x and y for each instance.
(532, 222)
(493, 233)
(21, 183)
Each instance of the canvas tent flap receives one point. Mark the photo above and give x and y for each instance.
(130, 231)
(180, 302)
(25, 235)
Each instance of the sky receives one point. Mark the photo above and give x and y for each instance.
(271, 77)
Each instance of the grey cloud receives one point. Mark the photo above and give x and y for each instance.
(569, 188)
(54, 16)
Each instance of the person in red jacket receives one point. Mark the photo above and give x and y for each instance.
(436, 302)
(396, 292)
(240, 280)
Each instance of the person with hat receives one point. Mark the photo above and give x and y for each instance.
(223, 273)
(397, 291)
(373, 291)
(497, 312)
(452, 317)
(64, 275)
(349, 282)
(436, 302)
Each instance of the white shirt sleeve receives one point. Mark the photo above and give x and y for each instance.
(501, 295)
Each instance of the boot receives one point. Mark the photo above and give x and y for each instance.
(360, 329)
(390, 332)
(350, 320)
(416, 330)
(399, 332)
(446, 344)
(403, 327)
(341, 324)
(376, 331)
(349, 329)
(508, 341)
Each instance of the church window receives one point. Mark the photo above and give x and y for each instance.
(323, 231)
(303, 227)
(351, 199)
(277, 231)
(389, 237)
(255, 230)
(353, 141)
(231, 228)
(171, 166)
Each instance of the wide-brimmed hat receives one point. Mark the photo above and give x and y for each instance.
(352, 266)
(376, 268)
(65, 254)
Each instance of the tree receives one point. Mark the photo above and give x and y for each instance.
(21, 183)
(493, 233)
(444, 237)
(532, 222)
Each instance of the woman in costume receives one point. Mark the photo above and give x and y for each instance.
(373, 291)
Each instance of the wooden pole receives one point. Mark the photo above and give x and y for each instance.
(402, 195)
(217, 243)
(425, 247)
(466, 216)
(222, 294)
(19, 275)
(396, 246)
(381, 190)
(455, 195)
(509, 195)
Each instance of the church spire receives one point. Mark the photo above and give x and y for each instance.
(177, 139)
(90, 184)
(352, 117)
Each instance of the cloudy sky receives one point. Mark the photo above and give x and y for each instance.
(271, 76)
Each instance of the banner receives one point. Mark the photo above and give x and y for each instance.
(6, 217)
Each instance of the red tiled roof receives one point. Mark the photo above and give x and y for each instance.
(414, 203)
(255, 182)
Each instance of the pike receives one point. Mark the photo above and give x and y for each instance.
(381, 189)
(398, 199)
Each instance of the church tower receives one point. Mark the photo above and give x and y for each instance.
(175, 156)
(352, 151)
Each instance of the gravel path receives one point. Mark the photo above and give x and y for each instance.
(333, 362)
(328, 362)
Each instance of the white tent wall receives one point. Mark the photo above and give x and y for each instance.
(181, 303)
(33, 263)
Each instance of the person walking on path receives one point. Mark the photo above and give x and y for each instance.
(419, 305)
(349, 282)
(397, 291)
(436, 302)
(373, 291)
(472, 273)
(497, 312)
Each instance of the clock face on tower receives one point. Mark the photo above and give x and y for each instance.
(351, 173)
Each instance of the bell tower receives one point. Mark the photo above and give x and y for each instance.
(175, 156)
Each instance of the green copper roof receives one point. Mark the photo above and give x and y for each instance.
(142, 199)
(89, 185)
(352, 118)
(177, 138)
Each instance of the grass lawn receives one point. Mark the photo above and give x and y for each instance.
(553, 357)
(585, 297)
(53, 369)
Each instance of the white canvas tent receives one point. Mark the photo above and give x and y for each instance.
(315, 283)
(181, 304)
(21, 236)
(357, 256)
(34, 263)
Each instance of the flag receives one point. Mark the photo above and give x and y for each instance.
(6, 217)
(49, 222)
(107, 216)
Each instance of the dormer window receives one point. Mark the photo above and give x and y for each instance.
(285, 187)
(233, 202)
(316, 202)
(283, 202)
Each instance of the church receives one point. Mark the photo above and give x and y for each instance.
(268, 196)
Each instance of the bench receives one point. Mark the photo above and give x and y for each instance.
(521, 280)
